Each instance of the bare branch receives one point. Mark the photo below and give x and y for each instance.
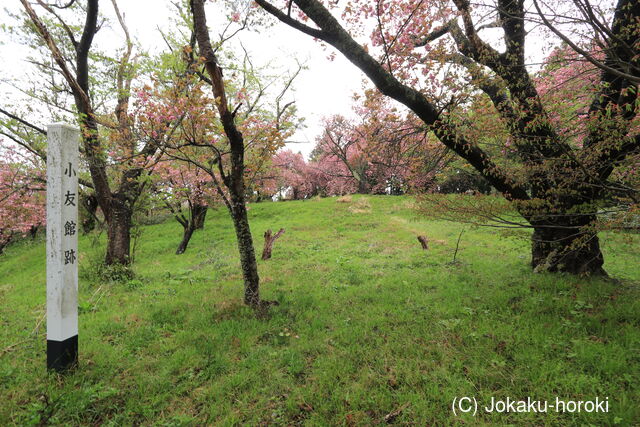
(582, 52)
(23, 121)
(287, 19)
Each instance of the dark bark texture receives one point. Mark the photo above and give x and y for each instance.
(89, 204)
(186, 238)
(566, 250)
(119, 232)
(117, 205)
(199, 215)
(247, 255)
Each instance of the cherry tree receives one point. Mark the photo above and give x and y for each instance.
(99, 87)
(288, 176)
(385, 149)
(22, 196)
(340, 147)
(426, 55)
(225, 128)
(291, 177)
(233, 176)
(187, 192)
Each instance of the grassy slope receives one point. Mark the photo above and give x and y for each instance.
(367, 323)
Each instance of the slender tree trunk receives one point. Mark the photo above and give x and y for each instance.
(199, 214)
(119, 232)
(569, 248)
(186, 237)
(247, 254)
(234, 181)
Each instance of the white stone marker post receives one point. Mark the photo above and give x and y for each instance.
(62, 247)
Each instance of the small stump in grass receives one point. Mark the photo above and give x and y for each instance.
(423, 242)
(269, 238)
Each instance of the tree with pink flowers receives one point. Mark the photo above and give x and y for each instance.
(288, 177)
(384, 150)
(22, 195)
(187, 191)
(218, 134)
(78, 82)
(437, 60)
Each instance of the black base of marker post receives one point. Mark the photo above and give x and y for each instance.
(62, 355)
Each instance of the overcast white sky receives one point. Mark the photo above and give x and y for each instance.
(325, 88)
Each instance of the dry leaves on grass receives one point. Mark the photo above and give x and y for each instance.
(360, 206)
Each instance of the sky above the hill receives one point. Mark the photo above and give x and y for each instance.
(323, 89)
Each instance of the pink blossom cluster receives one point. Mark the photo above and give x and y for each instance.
(382, 151)
(22, 196)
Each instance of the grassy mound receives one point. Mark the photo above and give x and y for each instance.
(370, 328)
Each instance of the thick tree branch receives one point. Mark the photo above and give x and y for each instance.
(334, 34)
(511, 14)
(287, 19)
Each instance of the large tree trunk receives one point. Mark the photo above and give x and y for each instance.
(564, 248)
(119, 232)
(247, 254)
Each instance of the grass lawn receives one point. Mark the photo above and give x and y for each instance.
(368, 326)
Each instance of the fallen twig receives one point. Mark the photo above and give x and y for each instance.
(391, 416)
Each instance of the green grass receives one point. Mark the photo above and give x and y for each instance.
(367, 323)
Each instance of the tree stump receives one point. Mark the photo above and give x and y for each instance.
(423, 242)
(269, 238)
